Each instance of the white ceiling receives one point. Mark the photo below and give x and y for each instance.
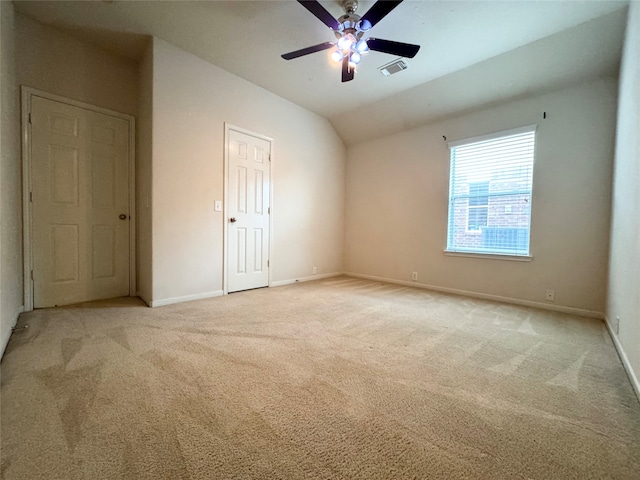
(474, 53)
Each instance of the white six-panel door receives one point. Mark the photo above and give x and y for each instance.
(248, 186)
(80, 204)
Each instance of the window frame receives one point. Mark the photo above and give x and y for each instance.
(484, 206)
(471, 252)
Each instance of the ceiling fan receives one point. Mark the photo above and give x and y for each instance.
(349, 30)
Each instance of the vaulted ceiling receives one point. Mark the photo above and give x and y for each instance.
(474, 53)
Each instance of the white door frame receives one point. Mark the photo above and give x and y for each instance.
(225, 213)
(27, 94)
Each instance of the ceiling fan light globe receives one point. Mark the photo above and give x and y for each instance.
(365, 25)
(337, 56)
(344, 43)
(355, 58)
(362, 46)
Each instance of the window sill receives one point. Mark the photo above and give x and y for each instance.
(491, 256)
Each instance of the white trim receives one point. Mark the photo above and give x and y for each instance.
(281, 283)
(633, 378)
(143, 298)
(485, 296)
(225, 214)
(490, 256)
(187, 298)
(26, 204)
(26, 94)
(13, 324)
(225, 210)
(491, 136)
(133, 287)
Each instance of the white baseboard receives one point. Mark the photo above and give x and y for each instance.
(14, 321)
(633, 378)
(304, 279)
(485, 296)
(187, 298)
(219, 293)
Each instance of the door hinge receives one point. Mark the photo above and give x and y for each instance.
(268, 210)
(268, 263)
(29, 117)
(31, 274)
(30, 197)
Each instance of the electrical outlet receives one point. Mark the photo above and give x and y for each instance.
(315, 270)
(550, 296)
(218, 206)
(414, 276)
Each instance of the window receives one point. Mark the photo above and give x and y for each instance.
(478, 205)
(490, 193)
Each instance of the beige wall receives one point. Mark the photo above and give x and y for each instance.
(624, 269)
(397, 191)
(144, 252)
(183, 102)
(192, 99)
(11, 279)
(58, 63)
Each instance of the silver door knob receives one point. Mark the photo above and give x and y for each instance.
(122, 216)
(232, 219)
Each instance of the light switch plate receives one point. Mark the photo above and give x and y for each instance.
(218, 207)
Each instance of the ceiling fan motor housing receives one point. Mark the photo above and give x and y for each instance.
(349, 23)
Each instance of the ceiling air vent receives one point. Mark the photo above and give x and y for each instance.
(393, 67)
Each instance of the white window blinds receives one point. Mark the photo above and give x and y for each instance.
(490, 193)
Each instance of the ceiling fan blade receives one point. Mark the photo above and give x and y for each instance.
(307, 51)
(347, 74)
(380, 10)
(394, 48)
(320, 13)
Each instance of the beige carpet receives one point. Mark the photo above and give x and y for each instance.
(335, 379)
